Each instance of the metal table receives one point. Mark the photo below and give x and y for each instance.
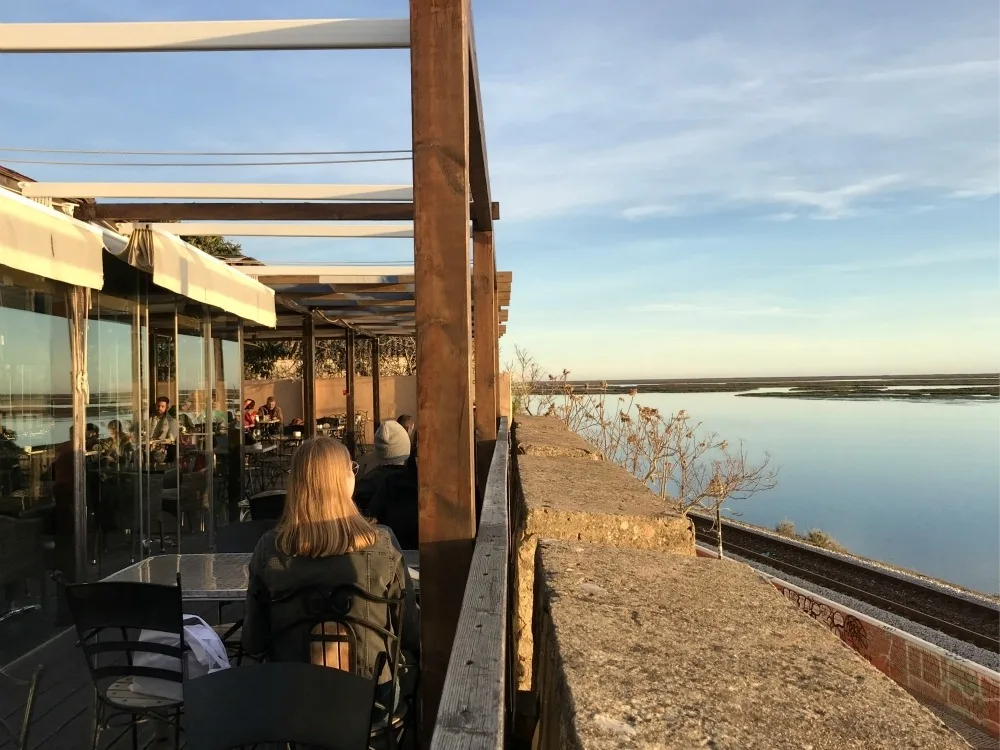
(209, 577)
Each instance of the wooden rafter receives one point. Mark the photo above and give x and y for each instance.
(285, 211)
(479, 172)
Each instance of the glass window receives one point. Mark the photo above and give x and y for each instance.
(36, 460)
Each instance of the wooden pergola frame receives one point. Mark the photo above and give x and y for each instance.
(450, 194)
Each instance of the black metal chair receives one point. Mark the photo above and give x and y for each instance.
(278, 703)
(125, 609)
(20, 736)
(323, 625)
(242, 537)
(237, 537)
(267, 505)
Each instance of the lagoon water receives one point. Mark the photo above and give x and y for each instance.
(913, 483)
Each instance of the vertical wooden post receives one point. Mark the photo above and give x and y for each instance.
(350, 433)
(498, 395)
(376, 384)
(309, 374)
(485, 312)
(439, 48)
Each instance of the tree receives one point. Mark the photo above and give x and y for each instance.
(215, 245)
(525, 372)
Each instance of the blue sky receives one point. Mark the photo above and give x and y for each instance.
(711, 188)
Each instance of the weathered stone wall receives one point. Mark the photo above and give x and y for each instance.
(645, 649)
(563, 489)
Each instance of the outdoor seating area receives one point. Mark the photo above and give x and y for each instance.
(185, 561)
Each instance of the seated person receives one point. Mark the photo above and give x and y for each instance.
(392, 449)
(407, 423)
(271, 410)
(322, 540)
(249, 414)
(395, 503)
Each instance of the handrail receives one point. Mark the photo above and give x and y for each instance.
(472, 709)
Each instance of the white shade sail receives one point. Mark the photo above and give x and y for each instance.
(186, 270)
(45, 242)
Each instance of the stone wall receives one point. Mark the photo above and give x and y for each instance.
(563, 489)
(645, 649)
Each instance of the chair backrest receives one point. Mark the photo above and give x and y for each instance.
(241, 537)
(267, 506)
(20, 736)
(125, 609)
(329, 621)
(278, 702)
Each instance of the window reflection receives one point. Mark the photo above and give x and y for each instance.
(35, 421)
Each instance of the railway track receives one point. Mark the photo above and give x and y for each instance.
(970, 621)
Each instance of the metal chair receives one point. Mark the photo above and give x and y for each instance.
(282, 702)
(20, 738)
(323, 625)
(125, 609)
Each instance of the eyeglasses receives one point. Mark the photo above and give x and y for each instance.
(354, 468)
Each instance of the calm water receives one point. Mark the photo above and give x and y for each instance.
(916, 484)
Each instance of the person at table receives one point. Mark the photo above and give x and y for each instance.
(392, 449)
(395, 503)
(163, 426)
(249, 414)
(323, 540)
(117, 448)
(271, 411)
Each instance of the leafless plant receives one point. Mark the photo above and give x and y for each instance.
(690, 469)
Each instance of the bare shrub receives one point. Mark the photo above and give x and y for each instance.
(786, 528)
(689, 468)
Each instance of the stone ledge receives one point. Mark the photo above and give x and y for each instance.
(637, 648)
(549, 436)
(581, 500)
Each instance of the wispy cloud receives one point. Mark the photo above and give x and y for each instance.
(826, 123)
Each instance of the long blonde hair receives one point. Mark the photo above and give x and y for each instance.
(320, 518)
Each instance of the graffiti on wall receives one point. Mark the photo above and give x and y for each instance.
(849, 628)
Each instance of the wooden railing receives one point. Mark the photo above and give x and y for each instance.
(473, 708)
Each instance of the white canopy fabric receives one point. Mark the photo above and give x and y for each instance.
(45, 242)
(186, 270)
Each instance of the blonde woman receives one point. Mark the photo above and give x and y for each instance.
(322, 540)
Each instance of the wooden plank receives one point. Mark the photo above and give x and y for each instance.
(350, 433)
(479, 171)
(484, 326)
(263, 191)
(440, 121)
(214, 211)
(248, 229)
(206, 36)
(472, 708)
(309, 374)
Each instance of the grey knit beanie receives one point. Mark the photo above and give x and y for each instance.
(392, 443)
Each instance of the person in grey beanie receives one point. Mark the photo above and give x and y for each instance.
(392, 449)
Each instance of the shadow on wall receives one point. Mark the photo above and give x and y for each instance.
(398, 396)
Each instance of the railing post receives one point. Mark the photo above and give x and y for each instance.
(350, 431)
(309, 374)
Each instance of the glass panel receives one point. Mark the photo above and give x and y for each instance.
(227, 384)
(36, 459)
(162, 428)
(194, 416)
(114, 479)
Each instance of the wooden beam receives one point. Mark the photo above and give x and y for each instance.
(297, 211)
(206, 36)
(479, 172)
(309, 374)
(245, 229)
(265, 191)
(350, 433)
(439, 42)
(376, 384)
(484, 313)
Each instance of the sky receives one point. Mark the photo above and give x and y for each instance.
(687, 189)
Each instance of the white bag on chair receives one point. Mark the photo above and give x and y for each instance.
(206, 654)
